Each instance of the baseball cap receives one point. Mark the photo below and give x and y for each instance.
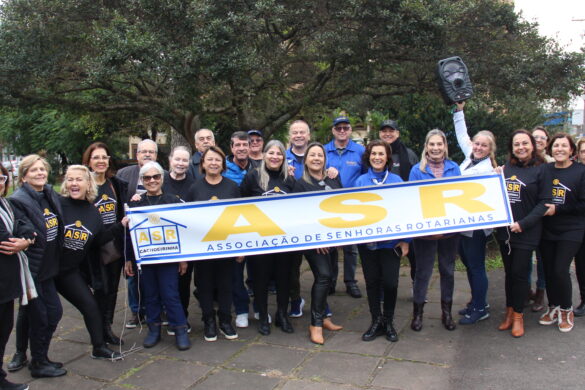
(389, 123)
(341, 119)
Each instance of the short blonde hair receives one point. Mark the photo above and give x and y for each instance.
(27, 162)
(92, 190)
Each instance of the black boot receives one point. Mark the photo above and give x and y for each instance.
(43, 369)
(264, 325)
(417, 316)
(105, 353)
(182, 338)
(209, 328)
(18, 361)
(281, 319)
(446, 317)
(153, 336)
(377, 328)
(579, 311)
(391, 334)
(109, 336)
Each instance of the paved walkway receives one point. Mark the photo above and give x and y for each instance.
(472, 357)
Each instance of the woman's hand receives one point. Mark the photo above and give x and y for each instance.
(182, 268)
(291, 170)
(460, 106)
(125, 221)
(135, 198)
(516, 228)
(403, 247)
(332, 172)
(552, 209)
(323, 251)
(13, 246)
(128, 269)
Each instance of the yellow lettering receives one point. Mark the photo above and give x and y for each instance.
(156, 236)
(335, 204)
(170, 235)
(433, 199)
(258, 223)
(143, 237)
(84, 236)
(67, 233)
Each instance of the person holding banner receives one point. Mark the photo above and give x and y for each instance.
(213, 276)
(579, 311)
(434, 164)
(528, 192)
(563, 229)
(480, 157)
(315, 179)
(109, 202)
(380, 260)
(271, 178)
(84, 231)
(160, 281)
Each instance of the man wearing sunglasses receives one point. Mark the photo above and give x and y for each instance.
(256, 145)
(346, 156)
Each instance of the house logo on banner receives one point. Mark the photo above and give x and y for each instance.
(157, 236)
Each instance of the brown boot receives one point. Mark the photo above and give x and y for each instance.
(316, 334)
(518, 324)
(329, 325)
(538, 304)
(507, 323)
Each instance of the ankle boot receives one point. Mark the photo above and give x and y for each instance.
(417, 316)
(446, 317)
(316, 334)
(264, 325)
(43, 369)
(153, 336)
(182, 338)
(109, 336)
(281, 320)
(538, 304)
(105, 353)
(517, 324)
(507, 323)
(18, 361)
(377, 328)
(391, 334)
(329, 325)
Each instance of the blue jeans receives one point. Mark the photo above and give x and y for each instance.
(161, 287)
(135, 300)
(239, 293)
(472, 251)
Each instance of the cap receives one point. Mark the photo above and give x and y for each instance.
(389, 123)
(255, 132)
(340, 119)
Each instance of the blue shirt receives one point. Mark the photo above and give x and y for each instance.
(295, 161)
(234, 172)
(451, 169)
(349, 163)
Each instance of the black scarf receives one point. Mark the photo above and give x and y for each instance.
(405, 166)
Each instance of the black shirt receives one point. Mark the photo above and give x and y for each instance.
(106, 203)
(317, 185)
(50, 264)
(202, 190)
(276, 185)
(179, 188)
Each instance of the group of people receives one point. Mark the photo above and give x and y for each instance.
(78, 245)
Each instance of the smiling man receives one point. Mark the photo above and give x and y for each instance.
(204, 138)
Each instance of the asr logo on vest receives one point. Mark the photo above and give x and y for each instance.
(52, 224)
(76, 236)
(157, 236)
(107, 209)
(274, 191)
(559, 192)
(514, 188)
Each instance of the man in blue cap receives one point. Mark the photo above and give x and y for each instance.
(346, 156)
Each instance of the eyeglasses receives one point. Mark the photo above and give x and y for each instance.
(542, 137)
(147, 151)
(343, 128)
(256, 140)
(97, 158)
(156, 177)
(3, 179)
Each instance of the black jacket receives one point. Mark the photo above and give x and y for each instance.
(26, 200)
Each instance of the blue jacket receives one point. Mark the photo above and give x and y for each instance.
(296, 162)
(451, 169)
(367, 179)
(234, 172)
(349, 164)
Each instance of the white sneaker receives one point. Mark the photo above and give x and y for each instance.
(257, 317)
(242, 320)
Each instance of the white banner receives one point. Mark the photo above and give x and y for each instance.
(251, 226)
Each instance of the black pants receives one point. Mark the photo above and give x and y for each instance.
(412, 260)
(557, 257)
(264, 267)
(322, 272)
(108, 295)
(381, 270)
(74, 288)
(185, 287)
(295, 275)
(517, 267)
(580, 269)
(215, 276)
(22, 328)
(6, 323)
(45, 312)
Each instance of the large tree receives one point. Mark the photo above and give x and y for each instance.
(259, 63)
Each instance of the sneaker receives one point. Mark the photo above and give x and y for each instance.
(250, 292)
(566, 320)
(171, 330)
(550, 316)
(163, 319)
(257, 317)
(466, 310)
(296, 308)
(134, 321)
(209, 329)
(228, 331)
(328, 312)
(474, 316)
(242, 320)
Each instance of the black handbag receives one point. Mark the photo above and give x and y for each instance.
(109, 253)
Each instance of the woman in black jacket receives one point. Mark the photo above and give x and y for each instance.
(528, 193)
(269, 179)
(13, 266)
(83, 232)
(111, 194)
(40, 204)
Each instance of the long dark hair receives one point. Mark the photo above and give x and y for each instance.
(536, 158)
